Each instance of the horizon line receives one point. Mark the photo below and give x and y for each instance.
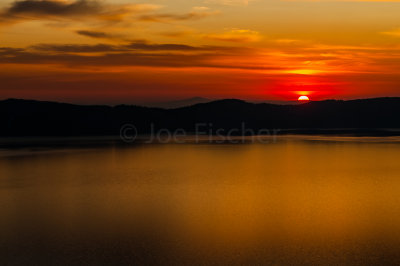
(272, 102)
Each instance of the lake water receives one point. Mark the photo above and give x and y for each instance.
(295, 201)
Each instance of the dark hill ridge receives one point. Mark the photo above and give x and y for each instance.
(177, 103)
(36, 118)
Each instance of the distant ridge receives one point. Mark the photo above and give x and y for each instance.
(177, 103)
(364, 116)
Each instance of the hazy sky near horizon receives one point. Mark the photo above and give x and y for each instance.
(124, 51)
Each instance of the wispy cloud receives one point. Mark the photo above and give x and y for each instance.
(195, 13)
(27, 10)
(393, 33)
(229, 2)
(75, 48)
(137, 53)
(137, 45)
(53, 8)
(99, 34)
(175, 34)
(236, 35)
(310, 59)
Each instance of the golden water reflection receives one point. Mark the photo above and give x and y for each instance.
(298, 201)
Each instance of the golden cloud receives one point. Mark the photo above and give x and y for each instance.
(236, 35)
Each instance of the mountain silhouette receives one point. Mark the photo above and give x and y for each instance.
(177, 103)
(38, 118)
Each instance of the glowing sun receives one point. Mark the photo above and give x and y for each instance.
(303, 98)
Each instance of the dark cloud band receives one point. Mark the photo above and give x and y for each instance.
(53, 8)
(134, 54)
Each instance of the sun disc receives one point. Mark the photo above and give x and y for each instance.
(304, 98)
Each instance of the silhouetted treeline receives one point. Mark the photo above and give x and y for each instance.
(36, 118)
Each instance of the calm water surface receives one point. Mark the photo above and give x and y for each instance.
(298, 201)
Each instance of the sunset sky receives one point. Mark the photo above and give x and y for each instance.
(125, 51)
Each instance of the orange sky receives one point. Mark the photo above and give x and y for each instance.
(129, 51)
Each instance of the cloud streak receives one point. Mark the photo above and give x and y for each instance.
(236, 35)
(229, 2)
(98, 34)
(26, 10)
(196, 13)
(138, 45)
(54, 8)
(138, 53)
(392, 33)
